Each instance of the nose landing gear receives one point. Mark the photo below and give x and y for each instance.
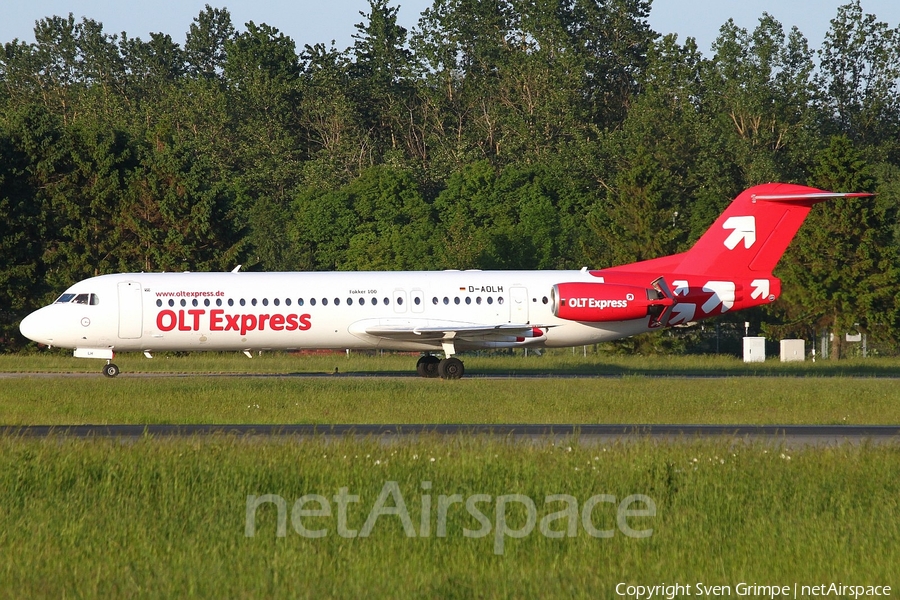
(110, 369)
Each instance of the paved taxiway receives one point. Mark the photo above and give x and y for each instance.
(586, 433)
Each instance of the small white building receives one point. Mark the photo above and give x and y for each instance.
(754, 349)
(792, 350)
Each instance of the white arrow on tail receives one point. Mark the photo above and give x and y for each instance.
(681, 287)
(682, 313)
(722, 293)
(744, 228)
(760, 288)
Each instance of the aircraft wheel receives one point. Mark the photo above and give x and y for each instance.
(451, 368)
(428, 366)
(110, 370)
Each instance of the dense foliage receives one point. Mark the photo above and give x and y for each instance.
(496, 134)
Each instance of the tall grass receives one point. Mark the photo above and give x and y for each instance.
(167, 518)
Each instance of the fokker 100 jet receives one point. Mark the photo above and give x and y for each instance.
(441, 312)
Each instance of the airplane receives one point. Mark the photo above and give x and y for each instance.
(434, 312)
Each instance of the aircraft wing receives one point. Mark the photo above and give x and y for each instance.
(456, 330)
(414, 330)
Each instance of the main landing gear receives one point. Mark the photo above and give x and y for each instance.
(448, 368)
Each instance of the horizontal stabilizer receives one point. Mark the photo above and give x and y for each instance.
(815, 197)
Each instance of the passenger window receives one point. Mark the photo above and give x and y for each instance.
(456, 300)
(374, 301)
(287, 301)
(362, 301)
(276, 301)
(324, 301)
(206, 302)
(386, 301)
(500, 300)
(194, 302)
(218, 302)
(299, 301)
(490, 300)
(158, 302)
(468, 300)
(253, 302)
(434, 300)
(312, 302)
(171, 303)
(243, 302)
(265, 301)
(231, 302)
(184, 302)
(478, 300)
(337, 301)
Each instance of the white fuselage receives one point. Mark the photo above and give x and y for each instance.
(333, 310)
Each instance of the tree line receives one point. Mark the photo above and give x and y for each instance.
(495, 134)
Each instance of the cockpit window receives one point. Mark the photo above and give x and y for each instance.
(91, 299)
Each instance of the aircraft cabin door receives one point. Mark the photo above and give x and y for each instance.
(518, 305)
(131, 310)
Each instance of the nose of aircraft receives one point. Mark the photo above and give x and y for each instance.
(36, 328)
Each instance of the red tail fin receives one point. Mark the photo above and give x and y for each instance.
(747, 239)
(730, 266)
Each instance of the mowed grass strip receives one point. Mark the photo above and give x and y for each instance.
(559, 362)
(168, 518)
(39, 400)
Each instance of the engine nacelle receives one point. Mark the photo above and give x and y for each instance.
(596, 302)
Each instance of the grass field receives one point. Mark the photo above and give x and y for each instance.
(558, 362)
(642, 390)
(169, 517)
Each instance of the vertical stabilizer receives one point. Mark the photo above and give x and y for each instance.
(749, 238)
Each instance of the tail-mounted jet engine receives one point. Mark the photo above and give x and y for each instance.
(598, 302)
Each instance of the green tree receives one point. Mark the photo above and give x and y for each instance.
(647, 210)
(394, 225)
(262, 82)
(841, 268)
(331, 123)
(177, 215)
(513, 219)
(381, 81)
(24, 137)
(205, 42)
(858, 79)
(759, 94)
